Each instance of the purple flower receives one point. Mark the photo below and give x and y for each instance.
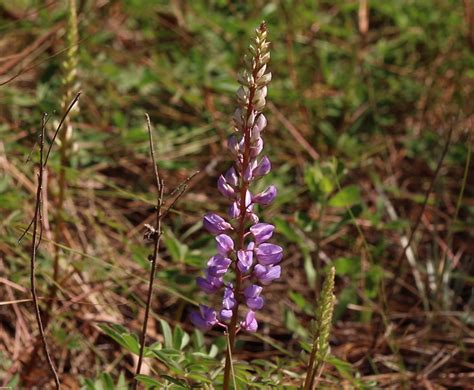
(269, 254)
(262, 232)
(250, 324)
(229, 301)
(253, 299)
(205, 318)
(267, 196)
(263, 167)
(225, 245)
(267, 274)
(218, 265)
(210, 284)
(245, 258)
(245, 250)
(215, 224)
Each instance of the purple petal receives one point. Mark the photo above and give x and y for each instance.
(225, 188)
(255, 303)
(248, 199)
(253, 299)
(229, 301)
(226, 315)
(267, 196)
(267, 274)
(261, 122)
(263, 167)
(234, 210)
(256, 148)
(231, 177)
(215, 224)
(269, 254)
(218, 266)
(248, 173)
(224, 244)
(233, 145)
(262, 232)
(250, 324)
(210, 284)
(252, 291)
(245, 260)
(205, 318)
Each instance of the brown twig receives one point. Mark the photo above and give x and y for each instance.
(156, 240)
(37, 221)
(71, 105)
(43, 164)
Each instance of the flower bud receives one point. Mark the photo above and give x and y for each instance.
(263, 167)
(231, 177)
(262, 232)
(215, 224)
(225, 244)
(224, 187)
(267, 196)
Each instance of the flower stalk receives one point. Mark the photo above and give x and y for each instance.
(241, 240)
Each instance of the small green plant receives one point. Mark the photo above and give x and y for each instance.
(322, 328)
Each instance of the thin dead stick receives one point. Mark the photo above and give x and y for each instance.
(71, 105)
(156, 234)
(34, 145)
(184, 183)
(37, 220)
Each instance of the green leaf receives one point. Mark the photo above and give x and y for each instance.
(167, 335)
(132, 344)
(174, 380)
(347, 265)
(176, 249)
(107, 381)
(346, 197)
(149, 381)
(180, 338)
(121, 335)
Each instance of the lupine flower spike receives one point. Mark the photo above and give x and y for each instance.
(245, 260)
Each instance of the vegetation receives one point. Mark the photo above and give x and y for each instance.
(370, 137)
